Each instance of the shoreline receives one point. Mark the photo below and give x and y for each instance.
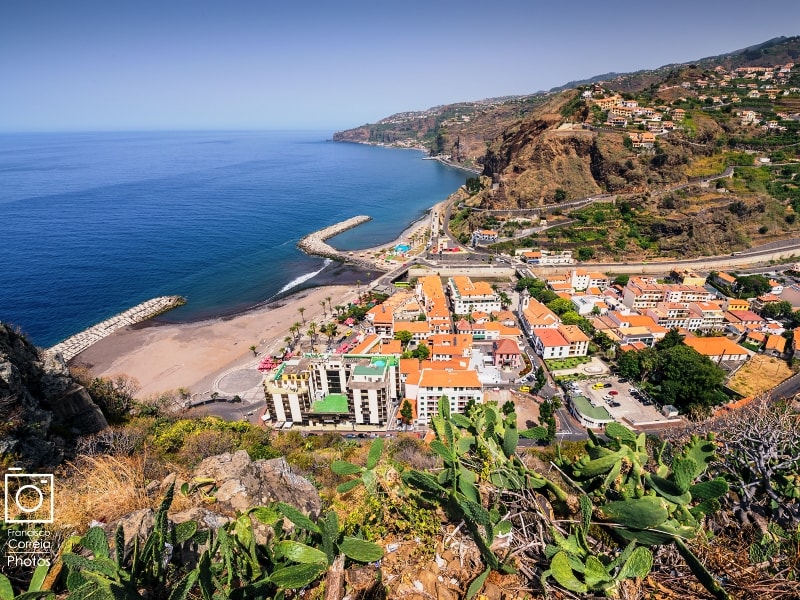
(163, 356)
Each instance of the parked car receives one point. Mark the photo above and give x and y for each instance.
(608, 398)
(613, 392)
(623, 380)
(614, 404)
(598, 386)
(606, 385)
(525, 389)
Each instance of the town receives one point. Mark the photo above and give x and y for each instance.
(565, 337)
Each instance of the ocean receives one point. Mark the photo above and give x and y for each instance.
(95, 223)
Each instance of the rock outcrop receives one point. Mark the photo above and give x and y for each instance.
(242, 483)
(239, 484)
(41, 407)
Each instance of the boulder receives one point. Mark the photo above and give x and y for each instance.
(243, 483)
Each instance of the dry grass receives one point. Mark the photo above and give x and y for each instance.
(759, 374)
(105, 488)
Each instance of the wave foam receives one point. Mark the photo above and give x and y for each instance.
(301, 278)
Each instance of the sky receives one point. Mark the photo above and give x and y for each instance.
(87, 65)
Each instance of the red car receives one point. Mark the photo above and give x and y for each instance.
(613, 392)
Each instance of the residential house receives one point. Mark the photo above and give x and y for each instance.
(536, 315)
(549, 343)
(718, 349)
(578, 340)
(428, 385)
(775, 346)
(482, 237)
(710, 314)
(381, 320)
(737, 304)
(796, 343)
(506, 353)
(467, 296)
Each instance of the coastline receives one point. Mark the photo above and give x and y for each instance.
(163, 356)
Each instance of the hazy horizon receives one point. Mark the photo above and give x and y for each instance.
(244, 66)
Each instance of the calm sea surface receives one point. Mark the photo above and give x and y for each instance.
(96, 223)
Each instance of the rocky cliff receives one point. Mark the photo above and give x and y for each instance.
(41, 407)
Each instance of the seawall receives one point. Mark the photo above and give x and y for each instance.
(77, 343)
(314, 243)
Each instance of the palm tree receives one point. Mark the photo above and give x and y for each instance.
(328, 298)
(295, 328)
(330, 330)
(322, 304)
(312, 331)
(288, 341)
(301, 310)
(253, 350)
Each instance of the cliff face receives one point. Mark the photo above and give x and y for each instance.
(41, 406)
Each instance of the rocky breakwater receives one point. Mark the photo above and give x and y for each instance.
(314, 243)
(79, 342)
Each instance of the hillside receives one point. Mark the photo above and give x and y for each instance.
(647, 141)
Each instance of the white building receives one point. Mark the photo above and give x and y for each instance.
(467, 296)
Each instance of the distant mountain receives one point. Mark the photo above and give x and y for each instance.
(463, 130)
(566, 144)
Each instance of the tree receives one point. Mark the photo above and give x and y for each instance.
(585, 253)
(253, 350)
(322, 304)
(688, 380)
(748, 286)
(547, 416)
(560, 195)
(422, 352)
(777, 310)
(406, 412)
(628, 365)
(670, 340)
(540, 378)
(301, 310)
(561, 306)
(328, 300)
(404, 336)
(330, 330)
(508, 407)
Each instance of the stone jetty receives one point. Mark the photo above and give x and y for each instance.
(79, 342)
(314, 243)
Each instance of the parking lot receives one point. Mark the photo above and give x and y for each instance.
(622, 400)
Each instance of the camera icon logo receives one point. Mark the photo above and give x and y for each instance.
(29, 497)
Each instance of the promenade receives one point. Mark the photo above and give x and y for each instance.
(79, 342)
(314, 243)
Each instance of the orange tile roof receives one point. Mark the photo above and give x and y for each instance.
(776, 342)
(714, 346)
(550, 338)
(409, 365)
(391, 347)
(432, 378)
(467, 287)
(412, 326)
(506, 347)
(572, 333)
(366, 345)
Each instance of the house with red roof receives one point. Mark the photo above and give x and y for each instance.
(506, 353)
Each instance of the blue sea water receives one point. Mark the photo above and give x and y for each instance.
(95, 223)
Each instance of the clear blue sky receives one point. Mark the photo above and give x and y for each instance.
(249, 64)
